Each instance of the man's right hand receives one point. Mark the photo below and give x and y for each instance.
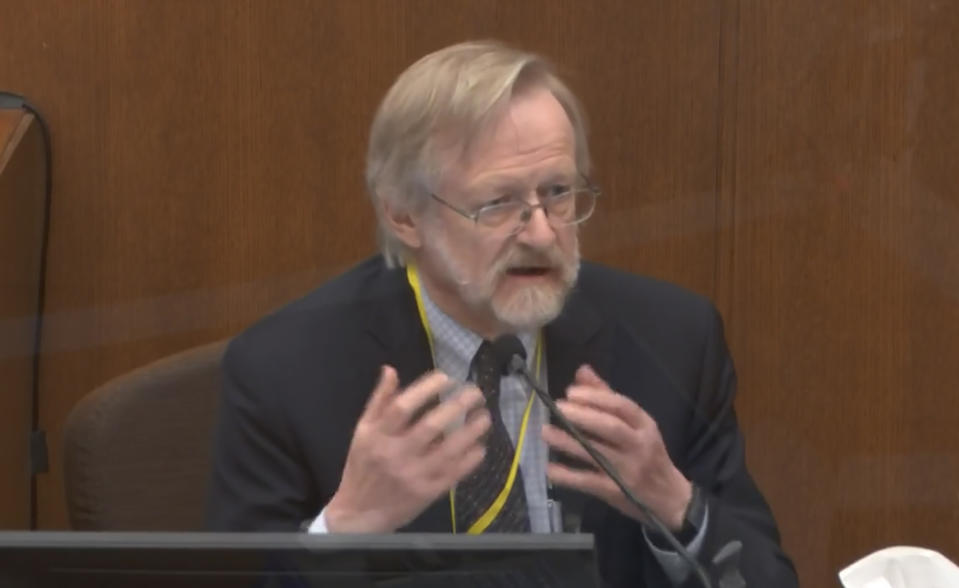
(396, 465)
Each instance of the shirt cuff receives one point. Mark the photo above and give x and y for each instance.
(318, 526)
(677, 569)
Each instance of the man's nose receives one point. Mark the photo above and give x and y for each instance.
(537, 232)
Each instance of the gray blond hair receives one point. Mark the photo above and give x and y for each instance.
(449, 96)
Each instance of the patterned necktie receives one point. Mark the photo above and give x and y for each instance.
(476, 492)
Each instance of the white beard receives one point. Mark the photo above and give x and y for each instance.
(524, 309)
(530, 308)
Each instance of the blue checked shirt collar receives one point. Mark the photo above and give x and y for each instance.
(454, 345)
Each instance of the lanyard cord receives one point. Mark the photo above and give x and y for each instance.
(494, 509)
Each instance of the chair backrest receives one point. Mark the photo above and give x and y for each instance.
(137, 449)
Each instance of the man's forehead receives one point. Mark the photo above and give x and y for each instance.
(521, 137)
(557, 171)
(530, 120)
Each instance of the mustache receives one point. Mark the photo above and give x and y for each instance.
(552, 258)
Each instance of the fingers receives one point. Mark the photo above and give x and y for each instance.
(444, 460)
(561, 441)
(385, 387)
(592, 482)
(590, 390)
(465, 466)
(405, 452)
(586, 375)
(449, 412)
(411, 402)
(596, 423)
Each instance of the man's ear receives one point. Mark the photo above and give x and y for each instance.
(404, 225)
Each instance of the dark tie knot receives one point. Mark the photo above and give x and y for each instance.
(485, 370)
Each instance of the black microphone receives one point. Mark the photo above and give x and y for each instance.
(511, 356)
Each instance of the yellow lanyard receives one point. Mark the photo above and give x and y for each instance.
(494, 509)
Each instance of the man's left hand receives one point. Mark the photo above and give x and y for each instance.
(629, 439)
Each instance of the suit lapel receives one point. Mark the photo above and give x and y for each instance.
(393, 321)
(578, 336)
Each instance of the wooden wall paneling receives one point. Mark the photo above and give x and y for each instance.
(841, 271)
(209, 155)
(22, 189)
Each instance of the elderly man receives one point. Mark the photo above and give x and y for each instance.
(375, 404)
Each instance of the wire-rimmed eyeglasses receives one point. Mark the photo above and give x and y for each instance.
(562, 205)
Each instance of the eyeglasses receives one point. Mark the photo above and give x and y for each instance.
(562, 205)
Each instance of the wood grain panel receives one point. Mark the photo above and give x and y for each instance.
(209, 154)
(839, 274)
(22, 183)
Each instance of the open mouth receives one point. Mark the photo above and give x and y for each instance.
(528, 271)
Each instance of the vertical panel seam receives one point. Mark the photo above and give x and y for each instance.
(726, 147)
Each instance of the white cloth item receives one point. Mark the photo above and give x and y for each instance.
(901, 567)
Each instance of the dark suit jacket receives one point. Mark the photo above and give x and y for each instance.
(297, 382)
